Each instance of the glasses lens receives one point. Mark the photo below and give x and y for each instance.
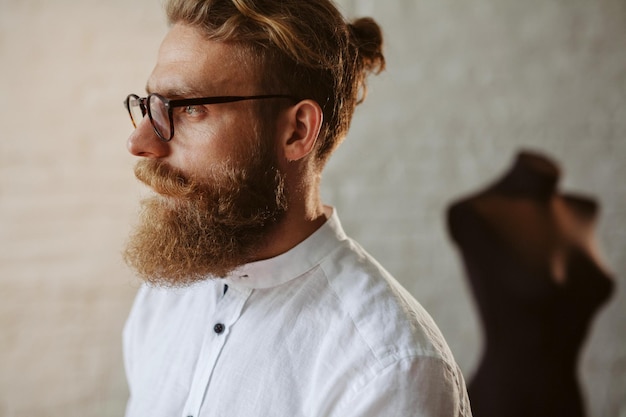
(135, 110)
(160, 119)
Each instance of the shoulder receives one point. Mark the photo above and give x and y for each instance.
(461, 217)
(395, 344)
(583, 207)
(392, 323)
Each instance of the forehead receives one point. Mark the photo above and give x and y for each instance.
(190, 64)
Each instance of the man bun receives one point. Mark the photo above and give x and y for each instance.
(367, 37)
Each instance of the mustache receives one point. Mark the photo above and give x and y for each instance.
(164, 179)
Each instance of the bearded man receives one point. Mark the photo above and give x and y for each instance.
(255, 301)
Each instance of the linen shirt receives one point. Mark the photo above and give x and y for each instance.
(321, 330)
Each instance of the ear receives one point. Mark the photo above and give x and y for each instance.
(303, 122)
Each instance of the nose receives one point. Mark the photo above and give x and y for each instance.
(145, 142)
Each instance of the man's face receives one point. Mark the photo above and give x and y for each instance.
(217, 183)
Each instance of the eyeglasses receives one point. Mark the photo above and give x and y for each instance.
(159, 109)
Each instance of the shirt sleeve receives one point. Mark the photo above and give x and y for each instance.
(412, 387)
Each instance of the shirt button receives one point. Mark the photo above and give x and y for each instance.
(218, 328)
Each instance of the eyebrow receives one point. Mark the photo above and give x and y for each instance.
(177, 92)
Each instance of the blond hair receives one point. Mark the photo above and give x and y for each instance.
(305, 47)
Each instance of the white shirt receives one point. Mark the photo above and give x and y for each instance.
(322, 330)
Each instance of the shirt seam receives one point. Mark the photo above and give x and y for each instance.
(407, 358)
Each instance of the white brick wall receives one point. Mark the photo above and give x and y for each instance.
(468, 84)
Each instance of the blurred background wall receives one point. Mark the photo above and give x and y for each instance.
(469, 83)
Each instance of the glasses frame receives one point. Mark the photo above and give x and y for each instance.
(171, 104)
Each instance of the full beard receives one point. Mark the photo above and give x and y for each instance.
(193, 230)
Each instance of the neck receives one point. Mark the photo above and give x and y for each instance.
(531, 175)
(305, 214)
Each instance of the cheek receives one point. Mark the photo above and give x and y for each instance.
(196, 147)
(240, 139)
(214, 149)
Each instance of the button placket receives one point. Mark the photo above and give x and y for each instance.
(227, 313)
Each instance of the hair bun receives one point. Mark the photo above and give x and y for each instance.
(368, 40)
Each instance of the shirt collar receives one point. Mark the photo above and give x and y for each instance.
(293, 263)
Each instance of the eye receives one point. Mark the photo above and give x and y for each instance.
(194, 110)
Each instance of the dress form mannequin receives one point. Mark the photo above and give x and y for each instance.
(537, 279)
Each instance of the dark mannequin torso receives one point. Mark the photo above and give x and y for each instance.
(537, 279)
